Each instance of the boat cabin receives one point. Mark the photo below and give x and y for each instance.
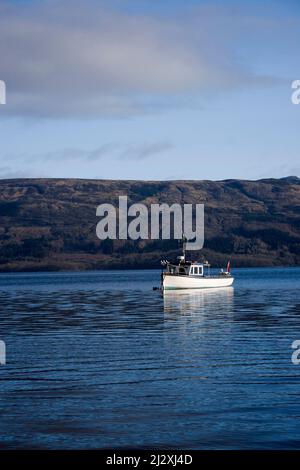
(196, 270)
(187, 269)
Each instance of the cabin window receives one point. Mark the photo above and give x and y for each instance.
(182, 270)
(196, 270)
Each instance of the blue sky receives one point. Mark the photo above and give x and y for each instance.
(136, 89)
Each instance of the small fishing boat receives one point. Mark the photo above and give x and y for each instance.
(192, 275)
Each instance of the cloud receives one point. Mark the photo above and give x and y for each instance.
(145, 150)
(6, 172)
(82, 58)
(67, 154)
(111, 150)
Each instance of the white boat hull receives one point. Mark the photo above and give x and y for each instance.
(171, 282)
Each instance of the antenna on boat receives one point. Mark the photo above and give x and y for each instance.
(184, 242)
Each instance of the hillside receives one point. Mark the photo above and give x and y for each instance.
(49, 224)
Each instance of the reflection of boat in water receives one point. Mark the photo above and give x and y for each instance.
(189, 301)
(192, 275)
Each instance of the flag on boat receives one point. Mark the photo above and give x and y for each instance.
(228, 267)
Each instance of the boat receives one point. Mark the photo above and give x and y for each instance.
(192, 275)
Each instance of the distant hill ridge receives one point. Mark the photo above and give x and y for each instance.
(49, 224)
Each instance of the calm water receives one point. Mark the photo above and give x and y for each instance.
(98, 360)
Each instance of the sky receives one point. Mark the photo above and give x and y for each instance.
(149, 89)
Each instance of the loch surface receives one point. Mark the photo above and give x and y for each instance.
(100, 360)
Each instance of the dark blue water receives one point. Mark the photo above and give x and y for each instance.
(99, 360)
